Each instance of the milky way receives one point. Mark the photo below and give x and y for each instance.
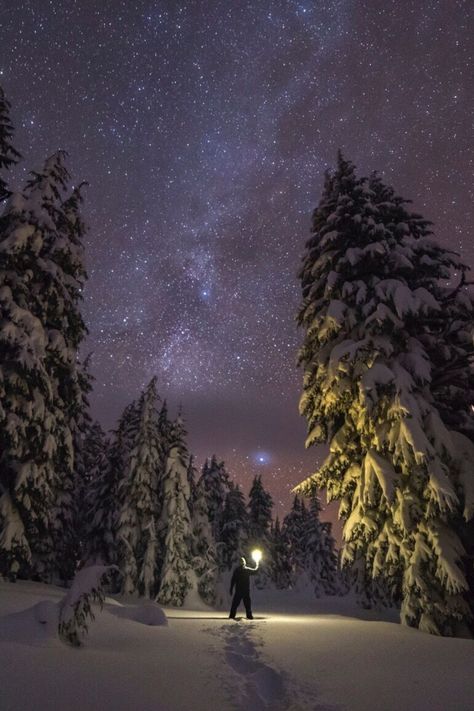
(204, 129)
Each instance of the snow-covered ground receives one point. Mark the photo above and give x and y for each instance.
(297, 654)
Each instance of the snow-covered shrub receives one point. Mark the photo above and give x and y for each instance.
(76, 612)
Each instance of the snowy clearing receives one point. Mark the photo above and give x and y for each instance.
(297, 654)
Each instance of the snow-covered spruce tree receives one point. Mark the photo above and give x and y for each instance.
(260, 512)
(192, 483)
(8, 153)
(234, 529)
(24, 380)
(67, 330)
(393, 463)
(83, 462)
(320, 558)
(174, 525)
(217, 485)
(204, 561)
(260, 506)
(165, 427)
(138, 499)
(281, 571)
(100, 498)
(108, 462)
(449, 336)
(292, 540)
(41, 333)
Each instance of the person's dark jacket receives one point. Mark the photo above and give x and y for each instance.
(241, 579)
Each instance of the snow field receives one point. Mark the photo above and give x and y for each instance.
(124, 665)
(299, 654)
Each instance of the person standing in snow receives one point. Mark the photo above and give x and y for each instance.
(241, 582)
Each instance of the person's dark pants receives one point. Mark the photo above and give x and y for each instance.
(238, 597)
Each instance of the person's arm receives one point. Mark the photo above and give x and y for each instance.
(252, 571)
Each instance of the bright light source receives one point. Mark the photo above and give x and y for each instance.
(257, 555)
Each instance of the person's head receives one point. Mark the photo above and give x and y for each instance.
(243, 562)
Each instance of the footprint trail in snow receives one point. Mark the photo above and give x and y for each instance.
(260, 686)
(255, 685)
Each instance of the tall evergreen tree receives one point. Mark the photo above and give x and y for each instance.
(83, 461)
(320, 559)
(259, 521)
(8, 153)
(292, 535)
(204, 561)
(67, 331)
(175, 525)
(27, 408)
(216, 485)
(103, 500)
(100, 498)
(280, 557)
(449, 339)
(234, 529)
(165, 427)
(138, 499)
(192, 483)
(41, 276)
(260, 512)
(370, 287)
(13, 544)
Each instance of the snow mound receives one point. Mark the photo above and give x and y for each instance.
(145, 613)
(37, 625)
(46, 612)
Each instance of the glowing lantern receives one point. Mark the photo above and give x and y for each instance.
(257, 555)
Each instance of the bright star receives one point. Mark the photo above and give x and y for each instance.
(262, 457)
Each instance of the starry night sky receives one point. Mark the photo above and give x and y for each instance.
(204, 129)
